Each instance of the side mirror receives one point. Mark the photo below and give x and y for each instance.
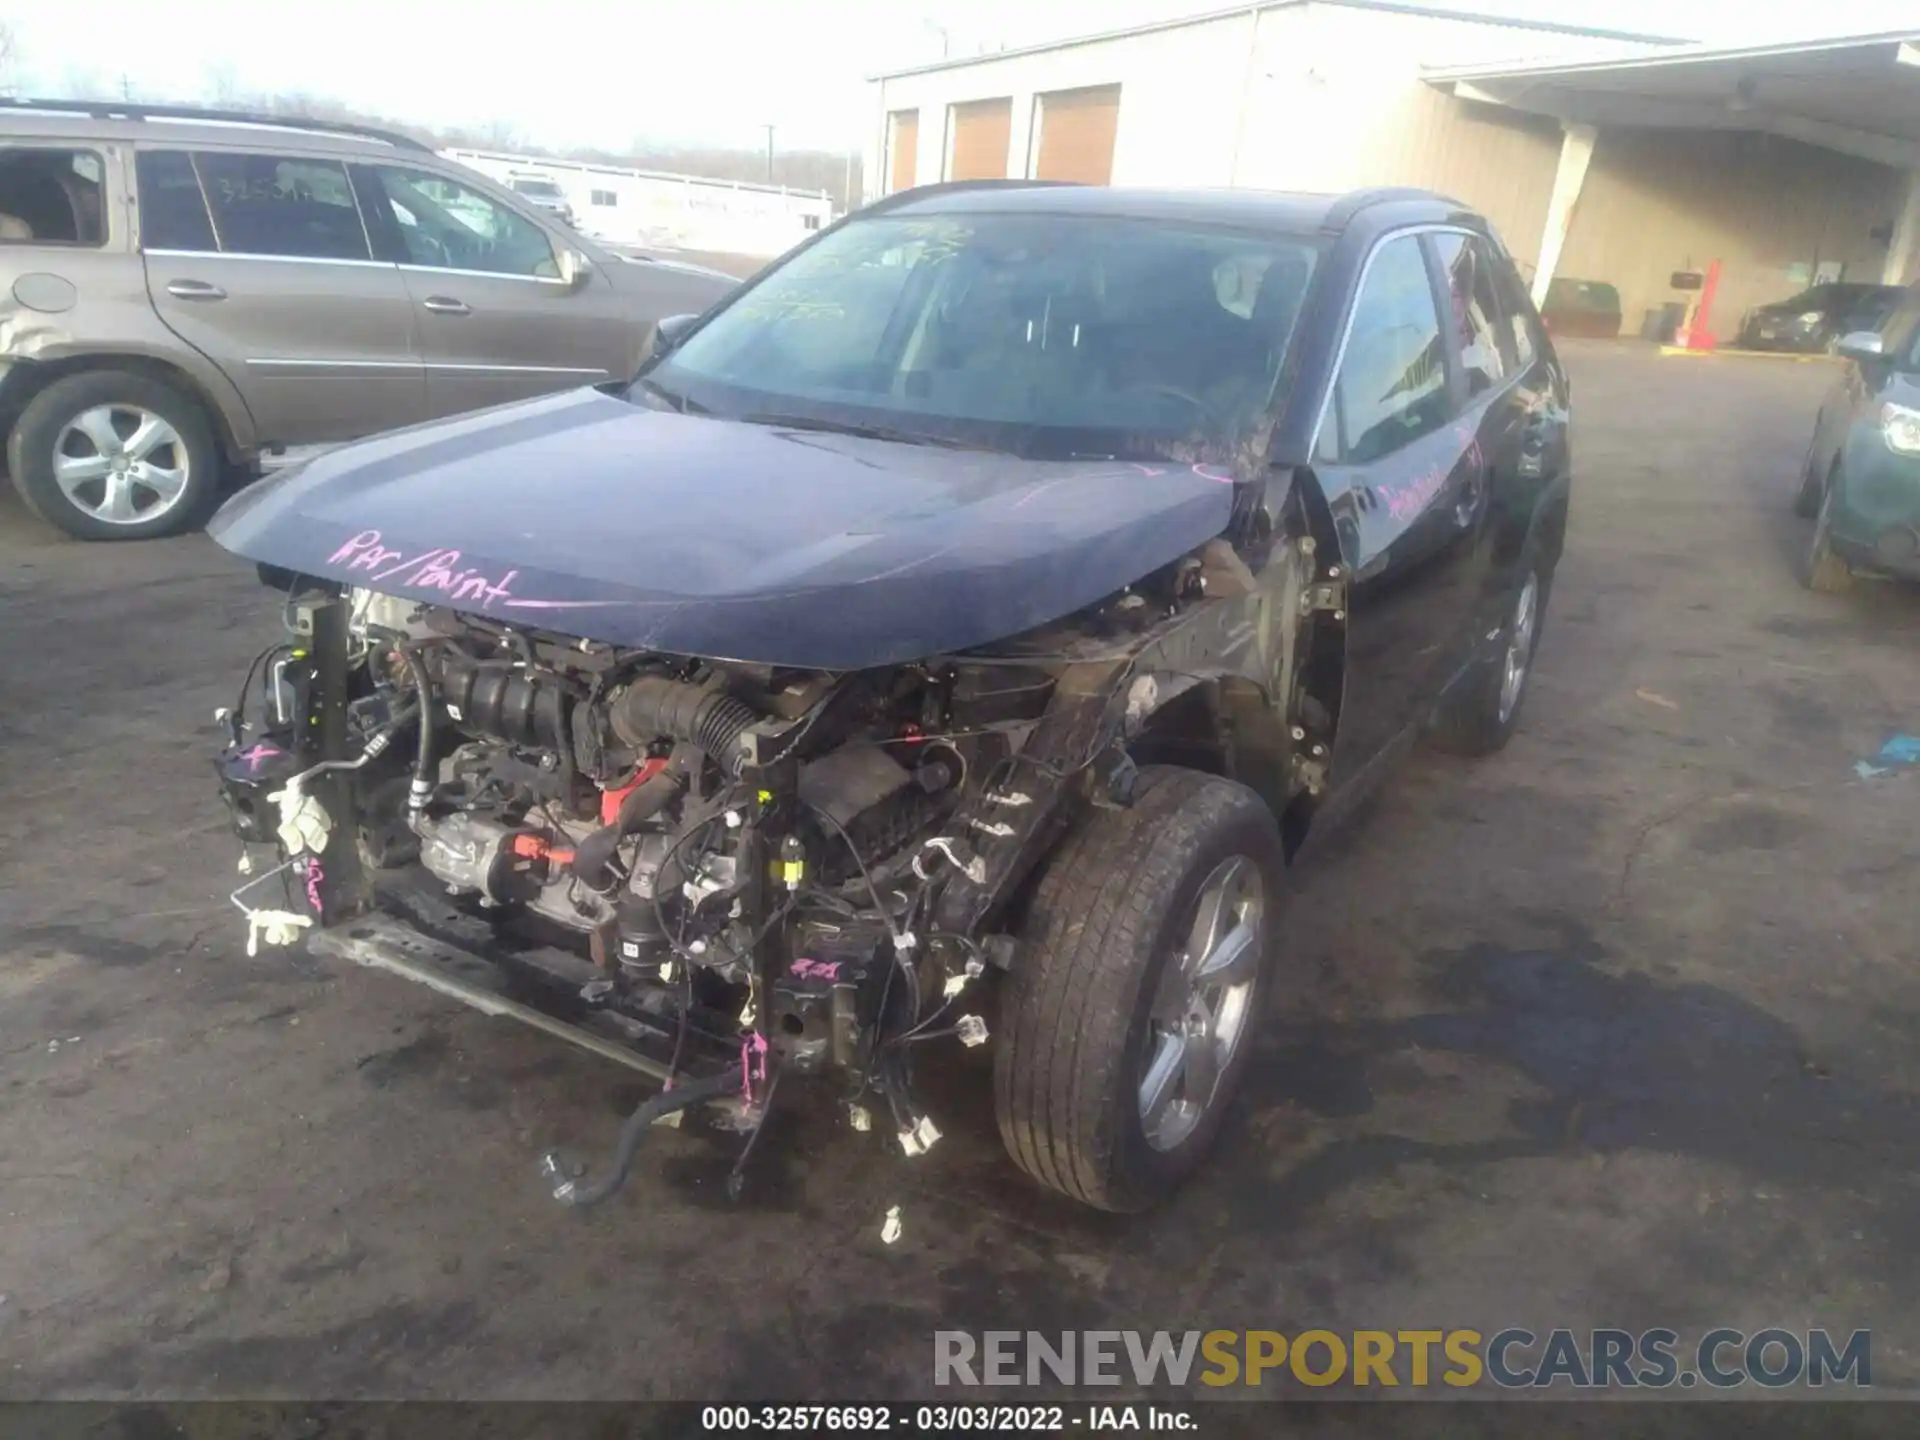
(575, 269)
(1861, 345)
(671, 331)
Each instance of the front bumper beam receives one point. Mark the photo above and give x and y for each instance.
(382, 943)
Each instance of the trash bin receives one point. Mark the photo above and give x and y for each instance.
(1663, 322)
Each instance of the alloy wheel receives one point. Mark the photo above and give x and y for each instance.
(1513, 677)
(121, 464)
(1203, 1007)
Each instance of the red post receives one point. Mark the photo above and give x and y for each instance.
(1694, 333)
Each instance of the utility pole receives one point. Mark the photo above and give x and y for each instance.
(769, 130)
(126, 86)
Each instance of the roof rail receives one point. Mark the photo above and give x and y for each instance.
(1354, 201)
(129, 110)
(896, 198)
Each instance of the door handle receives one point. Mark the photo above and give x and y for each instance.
(194, 290)
(446, 305)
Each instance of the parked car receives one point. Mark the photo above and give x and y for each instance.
(1587, 309)
(544, 191)
(1860, 484)
(1814, 320)
(182, 291)
(993, 595)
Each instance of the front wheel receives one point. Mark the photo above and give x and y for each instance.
(112, 455)
(1806, 502)
(1821, 570)
(1126, 1026)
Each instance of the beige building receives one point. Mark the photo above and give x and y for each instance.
(1599, 156)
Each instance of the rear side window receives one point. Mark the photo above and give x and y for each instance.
(1392, 385)
(1486, 351)
(173, 212)
(52, 196)
(282, 205)
(1516, 307)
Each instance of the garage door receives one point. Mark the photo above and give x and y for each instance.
(905, 133)
(1076, 134)
(980, 131)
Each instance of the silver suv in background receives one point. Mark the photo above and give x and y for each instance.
(542, 190)
(184, 291)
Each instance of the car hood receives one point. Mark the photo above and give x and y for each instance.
(588, 515)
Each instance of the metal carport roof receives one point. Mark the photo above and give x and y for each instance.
(1857, 94)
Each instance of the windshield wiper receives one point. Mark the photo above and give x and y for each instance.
(864, 432)
(672, 397)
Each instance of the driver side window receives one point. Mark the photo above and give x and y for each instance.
(1392, 385)
(444, 225)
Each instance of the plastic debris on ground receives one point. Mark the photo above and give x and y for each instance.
(890, 1230)
(1654, 699)
(1898, 751)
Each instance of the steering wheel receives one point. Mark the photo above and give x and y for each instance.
(1155, 387)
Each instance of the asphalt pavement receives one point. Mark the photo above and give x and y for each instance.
(1616, 1028)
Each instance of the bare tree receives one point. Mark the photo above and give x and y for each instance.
(500, 135)
(222, 86)
(83, 82)
(9, 58)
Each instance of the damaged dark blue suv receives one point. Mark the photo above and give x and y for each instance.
(951, 637)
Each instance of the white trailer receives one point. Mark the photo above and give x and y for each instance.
(655, 210)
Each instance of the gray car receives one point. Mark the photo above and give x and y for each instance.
(184, 292)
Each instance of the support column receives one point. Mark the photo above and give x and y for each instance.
(1576, 151)
(1903, 251)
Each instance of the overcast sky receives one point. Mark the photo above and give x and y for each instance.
(603, 72)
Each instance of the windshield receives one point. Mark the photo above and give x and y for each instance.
(1040, 334)
(537, 189)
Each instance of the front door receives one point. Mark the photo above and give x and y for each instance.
(496, 321)
(261, 263)
(1406, 477)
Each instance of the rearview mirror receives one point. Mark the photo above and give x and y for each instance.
(671, 331)
(1861, 345)
(575, 269)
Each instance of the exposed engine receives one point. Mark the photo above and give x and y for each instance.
(720, 873)
(616, 795)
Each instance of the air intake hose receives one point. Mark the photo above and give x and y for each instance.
(655, 707)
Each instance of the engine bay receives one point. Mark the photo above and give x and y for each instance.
(726, 873)
(758, 846)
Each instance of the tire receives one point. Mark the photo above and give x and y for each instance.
(1806, 504)
(64, 421)
(1478, 715)
(1081, 1014)
(1822, 571)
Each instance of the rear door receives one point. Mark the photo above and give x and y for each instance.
(1517, 423)
(1406, 477)
(496, 321)
(262, 263)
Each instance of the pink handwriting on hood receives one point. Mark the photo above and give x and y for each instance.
(430, 570)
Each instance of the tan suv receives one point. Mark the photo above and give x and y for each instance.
(183, 292)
